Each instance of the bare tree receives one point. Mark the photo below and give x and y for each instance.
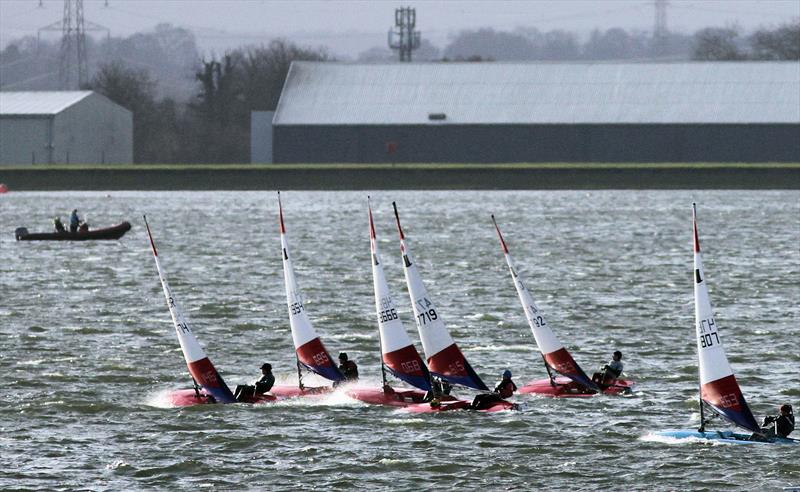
(715, 43)
(782, 43)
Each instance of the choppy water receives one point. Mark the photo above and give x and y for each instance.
(87, 348)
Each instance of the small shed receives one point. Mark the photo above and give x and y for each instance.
(63, 127)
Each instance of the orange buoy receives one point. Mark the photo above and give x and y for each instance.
(3, 188)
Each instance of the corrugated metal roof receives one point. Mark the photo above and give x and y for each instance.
(38, 103)
(325, 93)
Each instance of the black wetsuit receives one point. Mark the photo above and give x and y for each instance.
(504, 389)
(349, 369)
(784, 424)
(264, 384)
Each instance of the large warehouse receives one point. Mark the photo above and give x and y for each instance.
(64, 127)
(538, 112)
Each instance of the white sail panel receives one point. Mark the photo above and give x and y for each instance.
(431, 327)
(192, 351)
(302, 330)
(546, 340)
(713, 361)
(393, 333)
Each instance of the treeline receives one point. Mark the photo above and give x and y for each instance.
(530, 44)
(214, 126)
(728, 43)
(168, 53)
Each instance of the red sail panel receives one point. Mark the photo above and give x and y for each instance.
(406, 364)
(726, 398)
(206, 375)
(451, 365)
(314, 356)
(562, 362)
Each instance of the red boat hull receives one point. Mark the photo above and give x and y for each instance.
(394, 398)
(447, 406)
(190, 397)
(564, 388)
(286, 391)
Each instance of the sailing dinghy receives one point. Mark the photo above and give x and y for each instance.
(445, 359)
(209, 387)
(309, 350)
(573, 381)
(719, 390)
(398, 355)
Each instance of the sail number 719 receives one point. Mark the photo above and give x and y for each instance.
(425, 310)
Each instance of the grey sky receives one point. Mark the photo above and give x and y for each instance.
(349, 27)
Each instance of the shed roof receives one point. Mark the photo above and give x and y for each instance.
(38, 103)
(329, 93)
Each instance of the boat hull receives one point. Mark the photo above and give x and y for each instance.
(107, 233)
(190, 397)
(447, 406)
(722, 436)
(286, 391)
(563, 388)
(394, 398)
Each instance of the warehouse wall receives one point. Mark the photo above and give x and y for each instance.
(93, 131)
(23, 140)
(538, 143)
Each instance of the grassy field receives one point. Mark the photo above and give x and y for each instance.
(403, 176)
(422, 165)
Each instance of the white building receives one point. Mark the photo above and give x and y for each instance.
(63, 127)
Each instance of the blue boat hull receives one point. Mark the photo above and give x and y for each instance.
(725, 436)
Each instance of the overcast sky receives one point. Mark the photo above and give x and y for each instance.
(349, 27)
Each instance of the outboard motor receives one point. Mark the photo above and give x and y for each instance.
(19, 232)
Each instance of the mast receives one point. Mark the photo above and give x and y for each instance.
(373, 252)
(699, 378)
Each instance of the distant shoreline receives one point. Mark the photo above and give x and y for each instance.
(402, 176)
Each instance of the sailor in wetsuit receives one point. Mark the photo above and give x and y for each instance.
(504, 389)
(779, 425)
(263, 385)
(267, 380)
(609, 372)
(348, 368)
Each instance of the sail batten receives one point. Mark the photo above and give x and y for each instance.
(310, 350)
(444, 357)
(397, 351)
(198, 363)
(555, 354)
(718, 386)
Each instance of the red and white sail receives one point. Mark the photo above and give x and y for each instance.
(445, 359)
(309, 348)
(555, 354)
(200, 367)
(718, 386)
(397, 351)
